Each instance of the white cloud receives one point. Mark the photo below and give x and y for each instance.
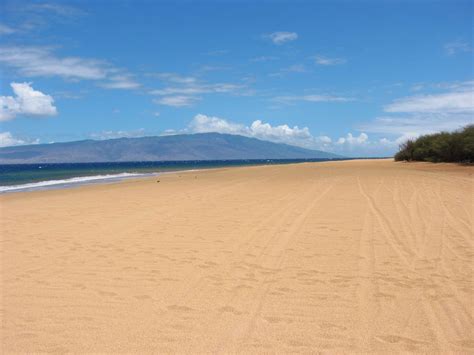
(423, 114)
(281, 132)
(7, 140)
(194, 89)
(34, 16)
(187, 90)
(363, 146)
(118, 134)
(417, 123)
(258, 129)
(202, 123)
(395, 143)
(352, 141)
(467, 85)
(183, 91)
(27, 101)
(176, 101)
(452, 102)
(311, 98)
(406, 136)
(417, 87)
(351, 145)
(455, 47)
(57, 9)
(33, 61)
(282, 37)
(322, 60)
(123, 81)
(175, 78)
(325, 139)
(6, 30)
(39, 61)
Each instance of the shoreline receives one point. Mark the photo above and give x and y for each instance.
(56, 184)
(97, 181)
(76, 181)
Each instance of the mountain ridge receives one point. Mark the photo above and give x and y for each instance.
(198, 146)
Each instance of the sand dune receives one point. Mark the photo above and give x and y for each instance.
(342, 256)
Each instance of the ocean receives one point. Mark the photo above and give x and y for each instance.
(27, 177)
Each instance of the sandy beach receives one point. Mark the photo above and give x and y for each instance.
(354, 256)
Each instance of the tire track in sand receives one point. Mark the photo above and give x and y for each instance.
(274, 259)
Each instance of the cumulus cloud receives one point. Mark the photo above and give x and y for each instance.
(26, 101)
(202, 123)
(350, 144)
(261, 130)
(282, 132)
(281, 37)
(323, 60)
(7, 140)
(393, 144)
(352, 141)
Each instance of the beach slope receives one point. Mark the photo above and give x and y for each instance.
(337, 256)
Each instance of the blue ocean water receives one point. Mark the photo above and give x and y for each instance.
(27, 177)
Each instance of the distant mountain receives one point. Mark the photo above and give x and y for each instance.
(202, 146)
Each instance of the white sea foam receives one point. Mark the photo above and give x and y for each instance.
(40, 185)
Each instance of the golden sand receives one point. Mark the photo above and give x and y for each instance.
(339, 256)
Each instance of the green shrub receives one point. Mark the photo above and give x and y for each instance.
(440, 147)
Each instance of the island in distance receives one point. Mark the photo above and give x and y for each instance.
(200, 146)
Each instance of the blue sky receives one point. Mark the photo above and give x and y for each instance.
(352, 77)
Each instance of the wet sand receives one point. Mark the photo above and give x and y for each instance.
(337, 257)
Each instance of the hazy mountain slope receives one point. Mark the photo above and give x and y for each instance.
(204, 146)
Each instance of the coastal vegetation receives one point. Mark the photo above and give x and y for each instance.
(457, 146)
